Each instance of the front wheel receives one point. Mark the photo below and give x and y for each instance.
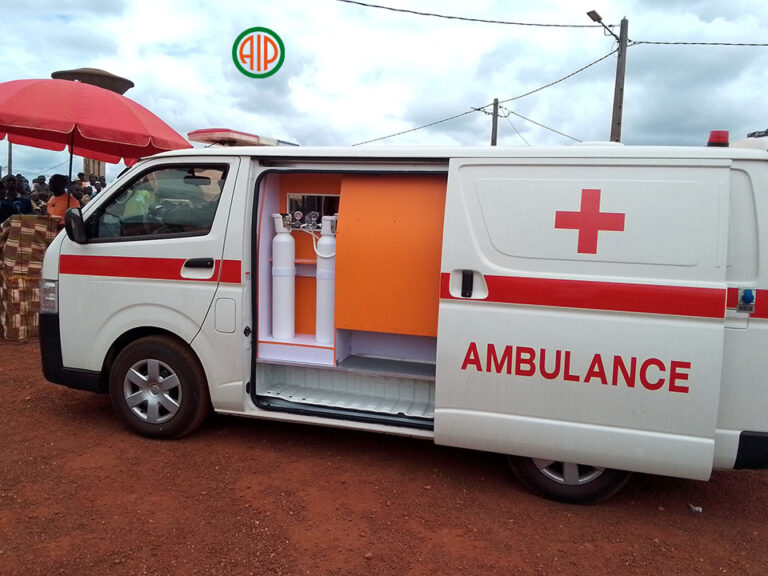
(566, 481)
(158, 387)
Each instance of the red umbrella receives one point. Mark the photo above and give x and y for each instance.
(94, 122)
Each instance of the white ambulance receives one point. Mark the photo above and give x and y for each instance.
(589, 310)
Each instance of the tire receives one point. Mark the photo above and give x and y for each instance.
(158, 387)
(568, 482)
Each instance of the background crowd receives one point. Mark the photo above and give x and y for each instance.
(52, 198)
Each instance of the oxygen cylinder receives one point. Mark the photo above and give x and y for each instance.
(283, 281)
(325, 278)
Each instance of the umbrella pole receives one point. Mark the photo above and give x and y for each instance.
(69, 182)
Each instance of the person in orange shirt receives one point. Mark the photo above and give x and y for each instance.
(60, 200)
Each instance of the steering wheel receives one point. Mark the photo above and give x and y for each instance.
(153, 220)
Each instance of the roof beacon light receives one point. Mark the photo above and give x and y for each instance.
(718, 138)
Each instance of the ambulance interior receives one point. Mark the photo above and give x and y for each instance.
(348, 291)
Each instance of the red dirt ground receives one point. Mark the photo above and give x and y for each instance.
(81, 495)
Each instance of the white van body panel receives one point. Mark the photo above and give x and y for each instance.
(116, 279)
(589, 302)
(670, 244)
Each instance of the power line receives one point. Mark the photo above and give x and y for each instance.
(506, 117)
(561, 79)
(417, 128)
(538, 124)
(543, 25)
(41, 171)
(465, 19)
(481, 108)
(752, 44)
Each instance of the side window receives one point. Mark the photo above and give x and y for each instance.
(166, 200)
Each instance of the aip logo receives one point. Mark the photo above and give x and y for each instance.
(258, 52)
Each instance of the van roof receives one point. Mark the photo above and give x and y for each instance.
(444, 153)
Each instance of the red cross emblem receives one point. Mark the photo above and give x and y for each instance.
(589, 221)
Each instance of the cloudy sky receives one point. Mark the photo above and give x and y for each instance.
(355, 73)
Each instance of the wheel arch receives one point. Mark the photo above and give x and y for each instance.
(129, 337)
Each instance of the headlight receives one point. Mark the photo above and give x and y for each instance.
(49, 297)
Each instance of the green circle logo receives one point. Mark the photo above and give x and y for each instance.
(258, 52)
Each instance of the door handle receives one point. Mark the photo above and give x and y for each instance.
(467, 278)
(199, 263)
(467, 284)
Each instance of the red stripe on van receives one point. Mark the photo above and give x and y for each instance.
(609, 296)
(230, 271)
(761, 302)
(143, 268)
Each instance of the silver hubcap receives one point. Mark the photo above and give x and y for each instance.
(152, 391)
(567, 473)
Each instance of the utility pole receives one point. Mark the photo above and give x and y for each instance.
(10, 156)
(618, 92)
(495, 121)
(621, 64)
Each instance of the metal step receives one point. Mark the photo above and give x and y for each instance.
(360, 388)
(388, 367)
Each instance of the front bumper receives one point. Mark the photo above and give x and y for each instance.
(53, 364)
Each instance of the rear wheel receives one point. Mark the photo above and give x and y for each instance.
(567, 481)
(158, 387)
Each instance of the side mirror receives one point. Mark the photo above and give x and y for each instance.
(75, 226)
